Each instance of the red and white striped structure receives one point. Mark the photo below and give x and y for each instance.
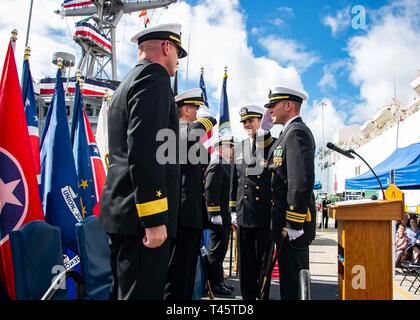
(90, 87)
(76, 4)
(86, 32)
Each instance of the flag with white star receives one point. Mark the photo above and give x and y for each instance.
(89, 165)
(29, 100)
(20, 201)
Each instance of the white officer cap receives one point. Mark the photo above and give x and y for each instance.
(279, 93)
(190, 97)
(169, 31)
(251, 111)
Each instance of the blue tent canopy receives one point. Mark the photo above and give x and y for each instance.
(405, 162)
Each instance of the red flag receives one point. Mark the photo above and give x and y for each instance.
(19, 194)
(207, 141)
(146, 21)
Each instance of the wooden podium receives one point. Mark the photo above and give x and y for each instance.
(365, 248)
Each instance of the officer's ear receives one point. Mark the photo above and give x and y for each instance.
(165, 48)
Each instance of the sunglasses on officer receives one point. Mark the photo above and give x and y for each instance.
(178, 51)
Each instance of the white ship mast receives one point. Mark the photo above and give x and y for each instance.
(106, 14)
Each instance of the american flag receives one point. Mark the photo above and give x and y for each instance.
(206, 140)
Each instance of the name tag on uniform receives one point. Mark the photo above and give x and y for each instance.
(277, 156)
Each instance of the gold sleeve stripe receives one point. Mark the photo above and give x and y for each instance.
(232, 203)
(208, 125)
(297, 215)
(295, 220)
(202, 122)
(268, 141)
(213, 209)
(152, 207)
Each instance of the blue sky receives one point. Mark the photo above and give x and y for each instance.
(302, 21)
(307, 45)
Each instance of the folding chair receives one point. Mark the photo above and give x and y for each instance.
(95, 258)
(38, 258)
(410, 270)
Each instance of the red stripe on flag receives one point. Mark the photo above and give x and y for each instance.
(16, 147)
(98, 170)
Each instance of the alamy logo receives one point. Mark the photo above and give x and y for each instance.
(359, 17)
(359, 280)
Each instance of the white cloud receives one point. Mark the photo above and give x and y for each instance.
(217, 34)
(278, 22)
(255, 31)
(333, 120)
(286, 11)
(339, 22)
(48, 34)
(218, 38)
(330, 72)
(390, 49)
(288, 52)
(327, 81)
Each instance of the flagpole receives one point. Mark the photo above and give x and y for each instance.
(13, 39)
(29, 23)
(188, 61)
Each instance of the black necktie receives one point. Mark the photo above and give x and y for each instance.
(254, 146)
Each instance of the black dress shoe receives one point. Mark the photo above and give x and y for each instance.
(230, 288)
(221, 290)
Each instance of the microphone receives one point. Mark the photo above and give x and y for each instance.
(345, 153)
(349, 154)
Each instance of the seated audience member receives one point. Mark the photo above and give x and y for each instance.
(412, 231)
(416, 250)
(401, 244)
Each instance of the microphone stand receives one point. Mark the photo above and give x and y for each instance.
(379, 181)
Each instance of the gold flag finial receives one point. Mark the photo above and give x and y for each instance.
(81, 83)
(202, 70)
(60, 63)
(27, 53)
(78, 75)
(14, 34)
(226, 74)
(107, 95)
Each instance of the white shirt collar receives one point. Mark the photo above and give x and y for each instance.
(289, 122)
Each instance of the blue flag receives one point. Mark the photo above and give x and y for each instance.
(81, 152)
(29, 100)
(59, 183)
(203, 88)
(224, 121)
